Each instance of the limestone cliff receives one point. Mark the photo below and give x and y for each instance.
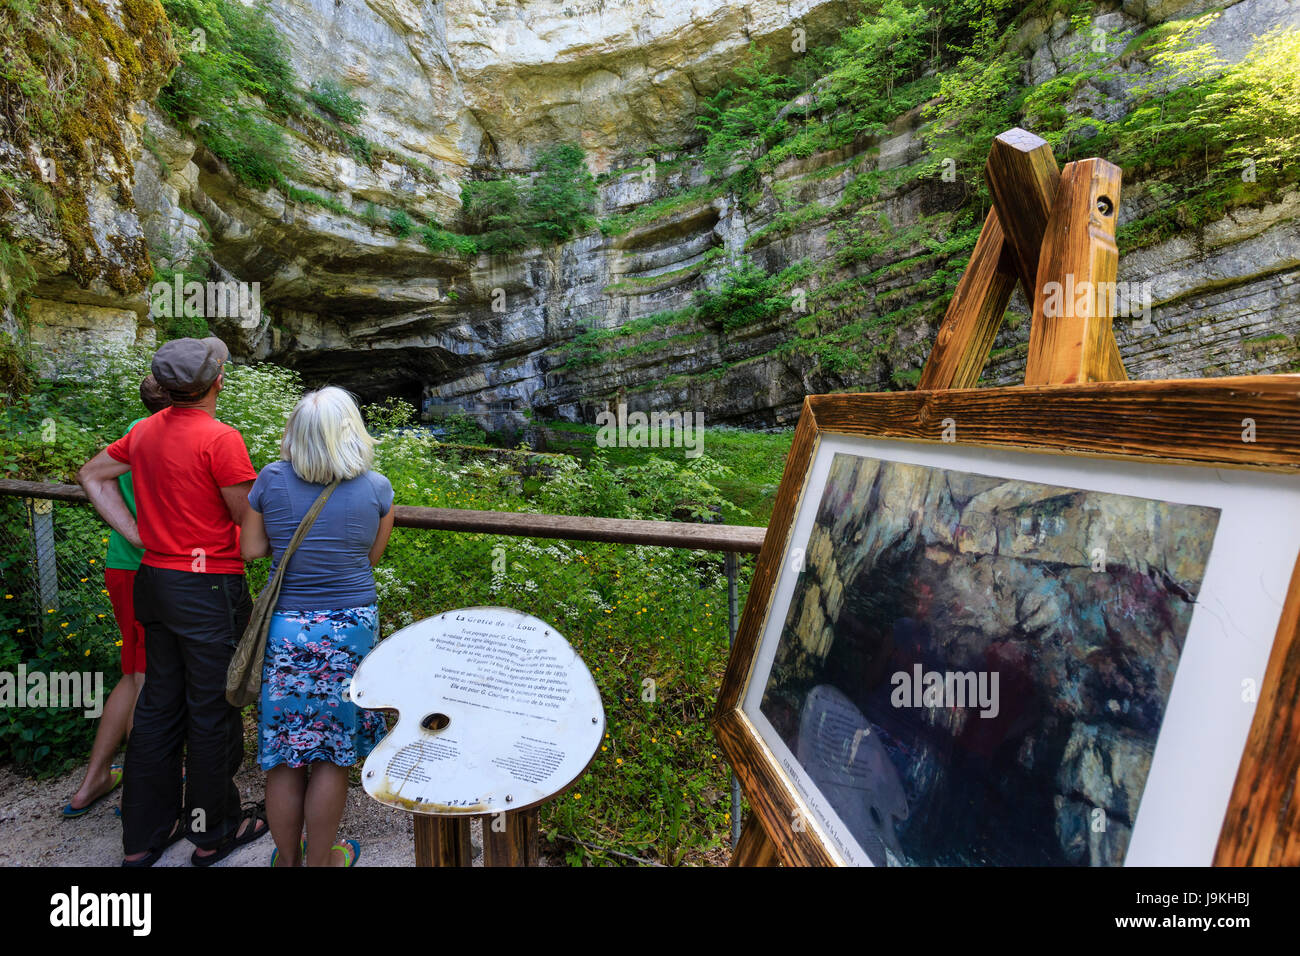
(467, 89)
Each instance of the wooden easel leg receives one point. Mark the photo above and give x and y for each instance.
(754, 848)
(961, 349)
(515, 844)
(1038, 211)
(1072, 338)
(442, 841)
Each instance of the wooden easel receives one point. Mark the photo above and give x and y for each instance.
(1047, 225)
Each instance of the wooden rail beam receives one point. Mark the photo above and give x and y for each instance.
(743, 539)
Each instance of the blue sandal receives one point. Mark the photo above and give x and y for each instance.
(351, 851)
(69, 811)
(302, 851)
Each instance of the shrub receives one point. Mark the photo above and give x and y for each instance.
(557, 203)
(437, 239)
(747, 294)
(335, 100)
(400, 223)
(242, 57)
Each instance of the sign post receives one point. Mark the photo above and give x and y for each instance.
(497, 715)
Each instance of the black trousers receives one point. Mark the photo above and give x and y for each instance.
(192, 623)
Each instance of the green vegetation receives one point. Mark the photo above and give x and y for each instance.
(234, 79)
(755, 461)
(659, 209)
(556, 203)
(335, 100)
(657, 787)
(437, 239)
(68, 74)
(747, 295)
(1202, 136)
(400, 223)
(585, 348)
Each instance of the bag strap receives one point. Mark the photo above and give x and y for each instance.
(304, 526)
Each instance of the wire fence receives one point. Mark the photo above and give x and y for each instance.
(652, 622)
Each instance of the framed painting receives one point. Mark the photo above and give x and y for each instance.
(1028, 626)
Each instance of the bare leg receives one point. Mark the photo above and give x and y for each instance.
(114, 725)
(139, 686)
(286, 788)
(327, 794)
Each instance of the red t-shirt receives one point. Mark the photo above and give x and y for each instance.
(180, 460)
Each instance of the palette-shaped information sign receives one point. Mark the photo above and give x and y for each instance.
(496, 712)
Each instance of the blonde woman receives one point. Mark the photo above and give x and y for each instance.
(325, 622)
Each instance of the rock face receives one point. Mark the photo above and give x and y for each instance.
(462, 88)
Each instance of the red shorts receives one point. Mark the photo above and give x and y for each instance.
(121, 585)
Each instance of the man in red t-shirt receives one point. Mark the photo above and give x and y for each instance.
(191, 475)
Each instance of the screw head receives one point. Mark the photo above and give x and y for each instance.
(509, 798)
(369, 774)
(593, 720)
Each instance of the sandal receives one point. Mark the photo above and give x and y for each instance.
(70, 812)
(302, 851)
(351, 851)
(153, 856)
(254, 813)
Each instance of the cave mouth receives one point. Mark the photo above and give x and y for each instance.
(371, 388)
(375, 375)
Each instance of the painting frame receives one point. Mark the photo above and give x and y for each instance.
(1239, 423)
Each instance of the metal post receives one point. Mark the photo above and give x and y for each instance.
(47, 570)
(732, 619)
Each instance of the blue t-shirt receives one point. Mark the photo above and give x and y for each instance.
(331, 568)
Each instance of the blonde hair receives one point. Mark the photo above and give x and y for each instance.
(326, 439)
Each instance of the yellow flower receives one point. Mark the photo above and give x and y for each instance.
(64, 624)
(577, 796)
(22, 630)
(88, 652)
(50, 611)
(99, 615)
(84, 580)
(653, 741)
(9, 597)
(603, 748)
(92, 561)
(679, 733)
(618, 760)
(118, 642)
(105, 540)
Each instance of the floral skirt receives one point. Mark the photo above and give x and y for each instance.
(305, 715)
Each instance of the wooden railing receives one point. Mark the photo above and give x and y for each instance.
(668, 534)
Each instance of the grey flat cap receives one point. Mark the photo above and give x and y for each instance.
(190, 366)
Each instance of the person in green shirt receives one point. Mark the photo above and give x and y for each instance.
(120, 565)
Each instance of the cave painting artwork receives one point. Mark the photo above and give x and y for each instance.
(974, 670)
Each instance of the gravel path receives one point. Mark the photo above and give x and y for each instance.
(33, 832)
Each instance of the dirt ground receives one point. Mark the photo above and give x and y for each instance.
(34, 833)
